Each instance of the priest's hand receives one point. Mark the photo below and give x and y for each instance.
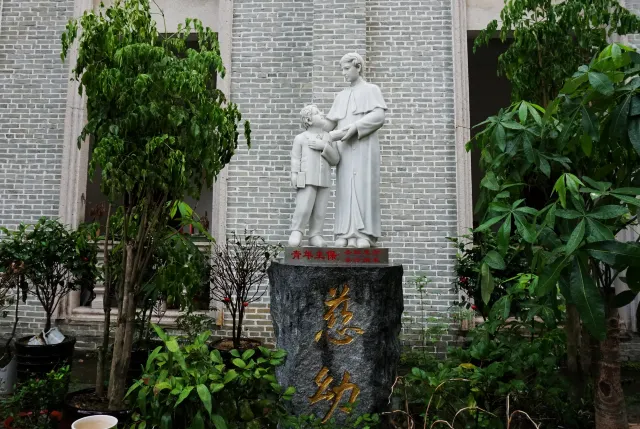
(294, 180)
(352, 131)
(337, 134)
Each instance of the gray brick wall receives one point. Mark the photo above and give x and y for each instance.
(285, 55)
(33, 89)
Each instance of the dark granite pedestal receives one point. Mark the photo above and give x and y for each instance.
(340, 327)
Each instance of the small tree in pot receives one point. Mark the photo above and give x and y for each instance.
(238, 269)
(56, 261)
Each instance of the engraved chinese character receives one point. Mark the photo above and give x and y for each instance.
(366, 260)
(319, 254)
(308, 254)
(296, 254)
(376, 251)
(331, 255)
(326, 393)
(344, 330)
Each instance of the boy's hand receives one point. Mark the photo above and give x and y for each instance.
(316, 144)
(294, 180)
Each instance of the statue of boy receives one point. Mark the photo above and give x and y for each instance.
(312, 156)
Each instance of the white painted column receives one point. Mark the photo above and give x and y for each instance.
(225, 36)
(73, 182)
(462, 119)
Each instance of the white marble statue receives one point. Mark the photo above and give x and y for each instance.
(355, 117)
(312, 156)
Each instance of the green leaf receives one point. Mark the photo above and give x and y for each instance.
(608, 212)
(490, 182)
(216, 387)
(504, 234)
(526, 230)
(485, 226)
(619, 119)
(586, 296)
(494, 260)
(568, 214)
(596, 231)
(246, 413)
(634, 133)
(499, 136)
(248, 354)
(166, 421)
(586, 144)
(624, 298)
(239, 363)
(601, 83)
(172, 345)
(633, 278)
(230, 376)
(617, 254)
(198, 421)
(218, 421)
(561, 189)
(487, 283)
(522, 112)
(549, 278)
(205, 396)
(590, 125)
(545, 167)
(576, 238)
(183, 395)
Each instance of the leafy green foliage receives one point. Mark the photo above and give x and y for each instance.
(549, 40)
(364, 421)
(501, 257)
(37, 403)
(53, 259)
(161, 130)
(188, 386)
(582, 147)
(159, 123)
(496, 364)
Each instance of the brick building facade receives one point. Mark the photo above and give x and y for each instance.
(282, 54)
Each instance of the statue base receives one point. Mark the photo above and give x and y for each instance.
(340, 326)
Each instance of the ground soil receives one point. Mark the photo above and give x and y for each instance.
(226, 344)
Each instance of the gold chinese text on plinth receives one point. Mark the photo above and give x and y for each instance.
(337, 314)
(343, 334)
(334, 394)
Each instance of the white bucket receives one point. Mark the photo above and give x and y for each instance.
(8, 377)
(95, 422)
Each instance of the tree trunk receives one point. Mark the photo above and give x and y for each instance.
(106, 307)
(572, 328)
(124, 336)
(611, 412)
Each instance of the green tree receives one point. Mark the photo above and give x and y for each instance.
(161, 131)
(587, 143)
(550, 40)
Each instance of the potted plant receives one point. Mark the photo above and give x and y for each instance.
(160, 130)
(54, 261)
(37, 402)
(238, 268)
(12, 289)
